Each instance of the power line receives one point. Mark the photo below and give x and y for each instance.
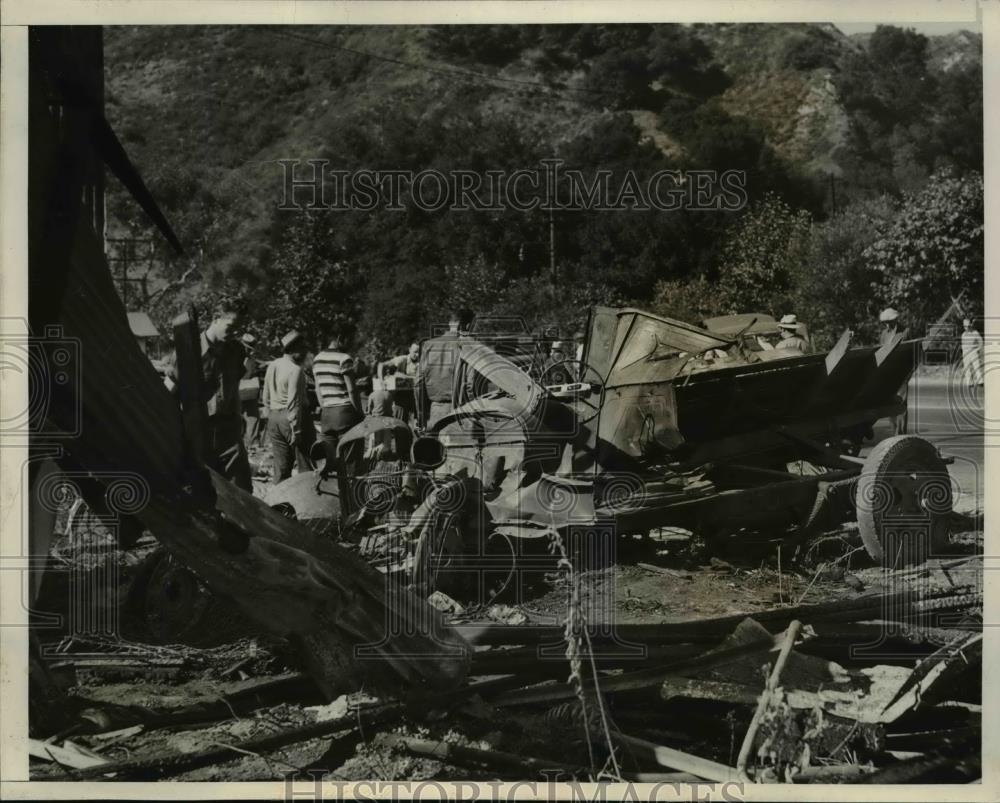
(449, 71)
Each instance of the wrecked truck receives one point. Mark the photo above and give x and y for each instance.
(669, 424)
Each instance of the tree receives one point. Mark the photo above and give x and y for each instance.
(690, 300)
(933, 250)
(833, 287)
(313, 288)
(761, 257)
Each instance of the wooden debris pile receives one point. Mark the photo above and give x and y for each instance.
(864, 690)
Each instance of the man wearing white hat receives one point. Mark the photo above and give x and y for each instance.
(889, 319)
(791, 340)
(284, 400)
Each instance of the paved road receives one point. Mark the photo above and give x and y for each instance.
(950, 416)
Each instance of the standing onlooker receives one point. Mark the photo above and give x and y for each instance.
(379, 401)
(435, 385)
(250, 392)
(972, 355)
(222, 358)
(404, 406)
(284, 398)
(891, 328)
(340, 405)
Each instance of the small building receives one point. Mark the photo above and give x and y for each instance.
(143, 329)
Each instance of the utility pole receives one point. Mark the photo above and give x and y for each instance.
(124, 259)
(552, 250)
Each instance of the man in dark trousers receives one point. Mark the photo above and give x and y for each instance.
(435, 382)
(222, 360)
(284, 401)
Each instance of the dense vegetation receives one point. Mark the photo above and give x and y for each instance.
(207, 112)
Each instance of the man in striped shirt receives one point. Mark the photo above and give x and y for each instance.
(340, 403)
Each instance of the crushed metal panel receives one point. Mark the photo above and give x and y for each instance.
(503, 374)
(746, 323)
(650, 348)
(635, 420)
(892, 372)
(602, 329)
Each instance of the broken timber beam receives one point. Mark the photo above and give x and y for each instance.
(676, 759)
(868, 606)
(765, 698)
(165, 764)
(461, 755)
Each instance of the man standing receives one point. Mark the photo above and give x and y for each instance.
(435, 386)
(791, 340)
(340, 403)
(972, 355)
(284, 399)
(891, 327)
(250, 393)
(403, 400)
(222, 358)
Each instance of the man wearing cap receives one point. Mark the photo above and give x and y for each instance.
(891, 328)
(284, 399)
(889, 319)
(791, 340)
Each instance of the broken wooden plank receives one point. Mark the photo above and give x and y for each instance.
(635, 681)
(649, 567)
(165, 764)
(676, 759)
(533, 661)
(833, 773)
(68, 757)
(460, 755)
(714, 690)
(929, 677)
(765, 698)
(861, 608)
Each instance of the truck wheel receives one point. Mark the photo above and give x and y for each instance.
(903, 501)
(168, 604)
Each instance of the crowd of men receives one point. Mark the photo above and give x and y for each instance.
(302, 403)
(301, 398)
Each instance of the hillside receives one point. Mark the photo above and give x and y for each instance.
(206, 113)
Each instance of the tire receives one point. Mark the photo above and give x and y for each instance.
(903, 501)
(168, 604)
